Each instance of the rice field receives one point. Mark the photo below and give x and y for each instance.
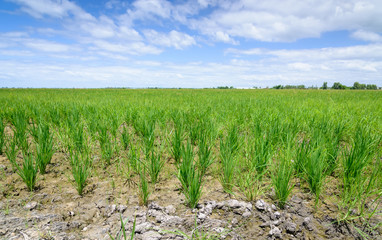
(206, 144)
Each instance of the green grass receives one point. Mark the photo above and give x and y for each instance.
(44, 146)
(279, 129)
(81, 169)
(27, 171)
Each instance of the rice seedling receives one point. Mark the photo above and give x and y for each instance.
(143, 186)
(315, 171)
(189, 176)
(359, 156)
(20, 123)
(260, 154)
(122, 232)
(125, 138)
(12, 151)
(44, 147)
(364, 189)
(2, 135)
(194, 130)
(81, 169)
(186, 167)
(333, 146)
(199, 232)
(205, 158)
(282, 173)
(177, 139)
(77, 137)
(194, 190)
(228, 149)
(250, 184)
(134, 156)
(106, 144)
(154, 166)
(148, 136)
(28, 171)
(303, 150)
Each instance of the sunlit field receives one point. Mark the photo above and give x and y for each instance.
(186, 146)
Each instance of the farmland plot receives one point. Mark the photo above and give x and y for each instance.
(192, 164)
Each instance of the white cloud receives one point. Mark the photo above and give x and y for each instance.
(134, 48)
(46, 46)
(367, 36)
(300, 66)
(289, 20)
(144, 9)
(57, 9)
(174, 39)
(371, 51)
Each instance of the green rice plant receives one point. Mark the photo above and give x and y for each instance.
(55, 116)
(333, 146)
(106, 144)
(114, 124)
(33, 130)
(145, 127)
(44, 147)
(12, 151)
(34, 127)
(186, 166)
(92, 125)
(177, 139)
(77, 137)
(360, 175)
(315, 171)
(282, 173)
(143, 191)
(363, 192)
(228, 149)
(28, 172)
(81, 169)
(303, 150)
(194, 190)
(260, 154)
(189, 177)
(148, 136)
(363, 148)
(154, 166)
(205, 158)
(122, 232)
(250, 184)
(134, 156)
(20, 124)
(2, 135)
(199, 233)
(194, 129)
(125, 138)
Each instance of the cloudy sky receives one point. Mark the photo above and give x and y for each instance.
(199, 43)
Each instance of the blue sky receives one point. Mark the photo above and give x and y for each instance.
(200, 43)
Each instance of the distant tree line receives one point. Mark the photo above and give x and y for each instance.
(289, 87)
(224, 87)
(356, 86)
(336, 85)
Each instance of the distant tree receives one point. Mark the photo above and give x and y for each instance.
(358, 85)
(338, 85)
(301, 86)
(278, 87)
(325, 85)
(371, 87)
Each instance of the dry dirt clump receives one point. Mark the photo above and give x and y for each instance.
(56, 211)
